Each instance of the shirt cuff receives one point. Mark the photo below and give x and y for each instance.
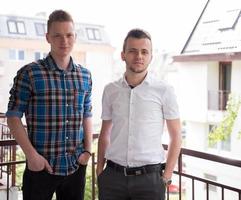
(13, 113)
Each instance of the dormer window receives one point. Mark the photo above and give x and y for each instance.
(229, 19)
(40, 29)
(93, 34)
(16, 27)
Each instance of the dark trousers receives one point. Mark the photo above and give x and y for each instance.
(42, 185)
(114, 185)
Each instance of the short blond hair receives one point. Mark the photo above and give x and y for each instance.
(59, 16)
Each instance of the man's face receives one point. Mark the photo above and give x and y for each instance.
(61, 37)
(137, 54)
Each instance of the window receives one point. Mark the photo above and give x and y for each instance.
(40, 29)
(224, 145)
(80, 33)
(15, 54)
(229, 19)
(212, 178)
(21, 27)
(12, 28)
(16, 27)
(225, 72)
(93, 34)
(39, 55)
(21, 55)
(12, 54)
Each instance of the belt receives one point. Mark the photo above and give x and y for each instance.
(135, 171)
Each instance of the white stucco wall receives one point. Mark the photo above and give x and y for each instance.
(212, 77)
(196, 135)
(196, 79)
(193, 91)
(100, 65)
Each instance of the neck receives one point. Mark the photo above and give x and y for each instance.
(135, 79)
(62, 62)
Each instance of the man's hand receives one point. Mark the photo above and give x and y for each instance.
(38, 163)
(84, 158)
(99, 171)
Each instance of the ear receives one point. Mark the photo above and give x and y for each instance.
(47, 37)
(123, 56)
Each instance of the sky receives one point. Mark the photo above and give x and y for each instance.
(168, 21)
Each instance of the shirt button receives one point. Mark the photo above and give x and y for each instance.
(67, 121)
(66, 137)
(67, 104)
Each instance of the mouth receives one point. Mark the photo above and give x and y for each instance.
(63, 48)
(138, 63)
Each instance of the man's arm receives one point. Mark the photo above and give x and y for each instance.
(174, 130)
(88, 135)
(104, 141)
(35, 161)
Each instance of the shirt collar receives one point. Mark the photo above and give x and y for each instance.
(147, 80)
(51, 64)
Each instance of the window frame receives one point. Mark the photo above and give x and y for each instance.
(16, 27)
(93, 34)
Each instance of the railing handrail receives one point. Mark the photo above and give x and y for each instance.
(8, 142)
(211, 157)
(184, 151)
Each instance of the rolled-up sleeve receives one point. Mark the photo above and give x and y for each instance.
(19, 94)
(87, 101)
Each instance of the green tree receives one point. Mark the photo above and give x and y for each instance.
(223, 130)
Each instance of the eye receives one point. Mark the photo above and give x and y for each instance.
(145, 52)
(70, 35)
(132, 51)
(56, 36)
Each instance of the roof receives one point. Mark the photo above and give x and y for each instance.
(217, 31)
(21, 27)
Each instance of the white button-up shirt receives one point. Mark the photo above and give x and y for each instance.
(138, 117)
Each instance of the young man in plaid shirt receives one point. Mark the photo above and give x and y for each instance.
(54, 94)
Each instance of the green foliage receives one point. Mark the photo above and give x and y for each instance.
(223, 130)
(19, 168)
(88, 185)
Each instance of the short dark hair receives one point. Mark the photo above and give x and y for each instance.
(59, 16)
(136, 33)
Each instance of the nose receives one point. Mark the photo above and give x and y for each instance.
(64, 39)
(139, 54)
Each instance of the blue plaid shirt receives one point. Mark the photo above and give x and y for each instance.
(54, 102)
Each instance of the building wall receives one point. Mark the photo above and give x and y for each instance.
(193, 91)
(100, 65)
(235, 76)
(212, 78)
(195, 79)
(235, 86)
(97, 57)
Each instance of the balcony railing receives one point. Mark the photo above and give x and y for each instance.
(217, 100)
(181, 175)
(179, 172)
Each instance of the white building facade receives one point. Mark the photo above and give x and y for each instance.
(209, 70)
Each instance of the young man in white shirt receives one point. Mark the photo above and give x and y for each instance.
(134, 110)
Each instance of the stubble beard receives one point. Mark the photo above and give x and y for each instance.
(136, 70)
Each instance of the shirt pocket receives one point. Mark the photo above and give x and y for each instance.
(79, 97)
